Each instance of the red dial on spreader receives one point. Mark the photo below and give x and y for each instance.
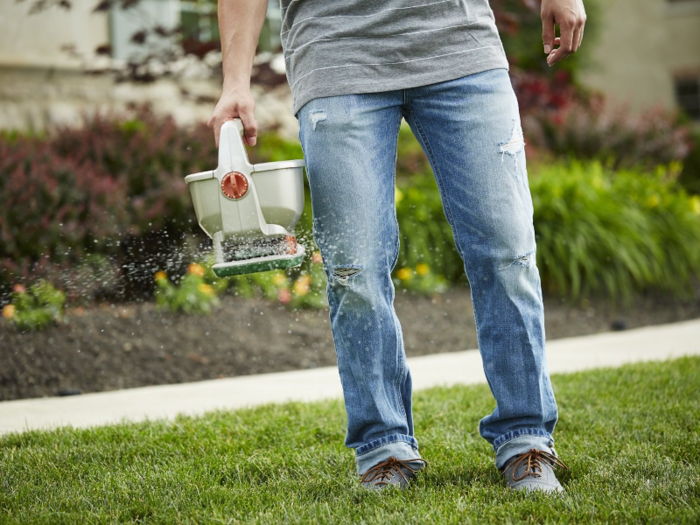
(234, 185)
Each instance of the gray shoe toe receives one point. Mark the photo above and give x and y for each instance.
(533, 470)
(391, 473)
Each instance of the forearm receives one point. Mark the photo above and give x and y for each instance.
(240, 23)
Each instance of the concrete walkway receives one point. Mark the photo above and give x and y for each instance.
(136, 404)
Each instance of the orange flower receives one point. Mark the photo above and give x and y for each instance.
(9, 311)
(160, 276)
(196, 269)
(316, 258)
(18, 288)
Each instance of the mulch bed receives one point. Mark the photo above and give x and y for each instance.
(110, 347)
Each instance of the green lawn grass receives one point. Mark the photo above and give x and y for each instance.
(629, 435)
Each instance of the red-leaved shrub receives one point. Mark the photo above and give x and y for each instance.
(537, 93)
(52, 208)
(109, 194)
(150, 155)
(593, 129)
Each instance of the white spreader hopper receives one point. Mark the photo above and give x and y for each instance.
(249, 210)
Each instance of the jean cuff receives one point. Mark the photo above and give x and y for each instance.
(521, 441)
(399, 446)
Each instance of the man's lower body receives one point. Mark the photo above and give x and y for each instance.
(470, 131)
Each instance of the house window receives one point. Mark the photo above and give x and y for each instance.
(676, 8)
(270, 34)
(126, 24)
(197, 19)
(688, 95)
(200, 26)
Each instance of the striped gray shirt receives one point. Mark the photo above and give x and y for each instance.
(340, 47)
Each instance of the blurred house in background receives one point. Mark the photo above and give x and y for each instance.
(44, 58)
(647, 54)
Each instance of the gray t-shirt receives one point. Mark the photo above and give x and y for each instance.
(340, 47)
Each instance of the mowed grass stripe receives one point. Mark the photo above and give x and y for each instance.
(630, 436)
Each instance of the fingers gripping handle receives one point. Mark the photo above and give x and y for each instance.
(232, 152)
(238, 126)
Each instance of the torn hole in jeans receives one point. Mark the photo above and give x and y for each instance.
(342, 274)
(525, 260)
(514, 144)
(317, 116)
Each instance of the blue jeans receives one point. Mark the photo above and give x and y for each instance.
(470, 131)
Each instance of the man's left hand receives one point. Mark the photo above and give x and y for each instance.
(570, 16)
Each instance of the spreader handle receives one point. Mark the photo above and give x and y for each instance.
(232, 152)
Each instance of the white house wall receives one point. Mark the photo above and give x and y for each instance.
(36, 40)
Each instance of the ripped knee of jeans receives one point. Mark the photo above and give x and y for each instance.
(343, 274)
(515, 144)
(526, 260)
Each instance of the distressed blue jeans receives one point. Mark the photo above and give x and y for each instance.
(470, 131)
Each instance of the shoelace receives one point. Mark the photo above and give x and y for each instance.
(382, 473)
(532, 461)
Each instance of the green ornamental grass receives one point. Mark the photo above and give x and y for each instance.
(609, 233)
(599, 232)
(629, 435)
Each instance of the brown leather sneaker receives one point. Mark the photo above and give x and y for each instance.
(392, 472)
(533, 470)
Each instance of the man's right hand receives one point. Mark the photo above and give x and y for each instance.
(235, 103)
(240, 22)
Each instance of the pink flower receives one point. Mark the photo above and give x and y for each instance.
(284, 295)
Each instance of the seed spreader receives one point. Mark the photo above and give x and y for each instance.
(249, 210)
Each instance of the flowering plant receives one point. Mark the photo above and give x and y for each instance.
(35, 308)
(193, 295)
(294, 289)
(420, 279)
